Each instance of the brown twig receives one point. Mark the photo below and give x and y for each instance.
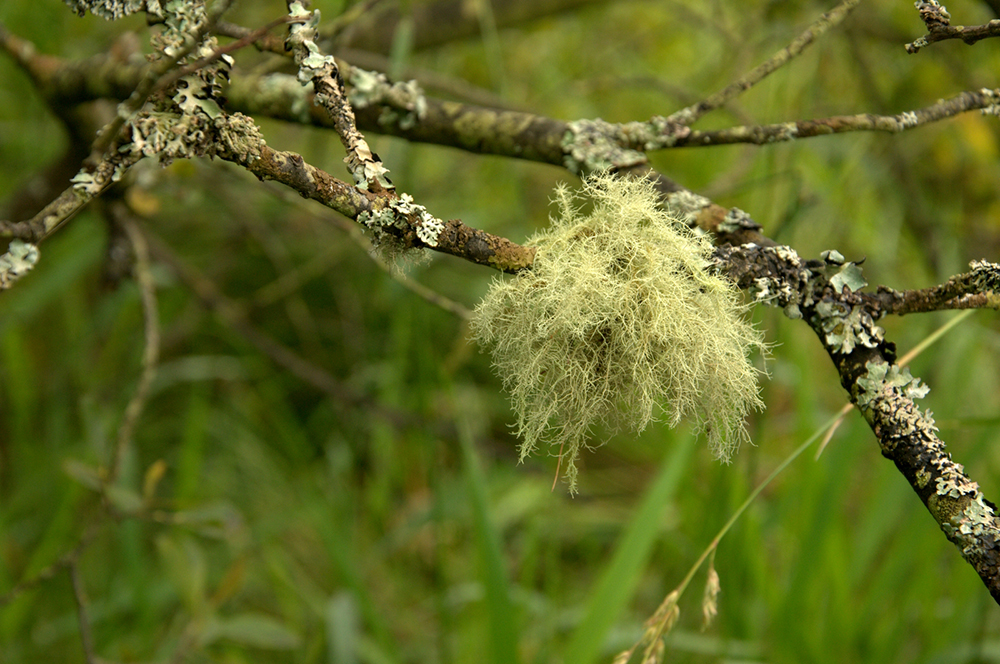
(86, 188)
(939, 27)
(54, 568)
(977, 289)
(151, 326)
(364, 165)
(80, 598)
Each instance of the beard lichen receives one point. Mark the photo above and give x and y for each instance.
(620, 321)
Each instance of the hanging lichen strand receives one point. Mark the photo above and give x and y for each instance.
(619, 322)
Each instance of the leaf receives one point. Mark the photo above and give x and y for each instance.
(619, 580)
(124, 499)
(252, 629)
(84, 473)
(185, 563)
(151, 480)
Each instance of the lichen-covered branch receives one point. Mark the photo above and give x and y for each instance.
(824, 293)
(87, 185)
(976, 289)
(985, 100)
(410, 224)
(939, 27)
(322, 71)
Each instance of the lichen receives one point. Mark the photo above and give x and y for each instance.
(619, 322)
(737, 220)
(986, 276)
(687, 205)
(403, 102)
(591, 146)
(390, 224)
(840, 272)
(994, 97)
(882, 377)
(847, 327)
(907, 120)
(19, 259)
(115, 9)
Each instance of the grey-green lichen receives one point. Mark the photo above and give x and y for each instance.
(687, 205)
(313, 62)
(737, 220)
(994, 97)
(847, 327)
(402, 214)
(620, 322)
(403, 102)
(841, 272)
(115, 9)
(19, 259)
(882, 377)
(986, 276)
(593, 145)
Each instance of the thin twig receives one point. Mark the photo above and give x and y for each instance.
(971, 290)
(54, 215)
(828, 20)
(969, 34)
(52, 569)
(80, 598)
(985, 100)
(363, 164)
(151, 326)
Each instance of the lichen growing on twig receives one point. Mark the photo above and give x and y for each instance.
(620, 321)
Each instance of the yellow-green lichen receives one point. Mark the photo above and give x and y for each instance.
(620, 321)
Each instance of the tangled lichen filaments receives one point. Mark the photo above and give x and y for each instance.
(619, 322)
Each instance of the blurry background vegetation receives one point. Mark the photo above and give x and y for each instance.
(289, 526)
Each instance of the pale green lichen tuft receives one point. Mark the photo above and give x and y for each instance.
(620, 321)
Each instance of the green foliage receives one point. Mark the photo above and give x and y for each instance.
(620, 320)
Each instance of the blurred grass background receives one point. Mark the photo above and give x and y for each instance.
(289, 526)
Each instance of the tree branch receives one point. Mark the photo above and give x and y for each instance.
(882, 391)
(939, 28)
